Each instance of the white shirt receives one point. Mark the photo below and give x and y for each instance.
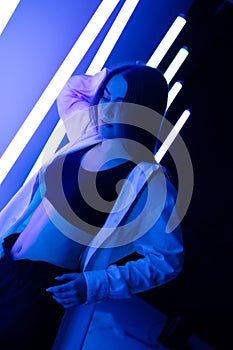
(162, 252)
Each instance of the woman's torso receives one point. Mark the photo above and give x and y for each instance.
(66, 184)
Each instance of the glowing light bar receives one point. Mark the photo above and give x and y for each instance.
(112, 36)
(52, 145)
(176, 64)
(172, 135)
(96, 65)
(167, 41)
(7, 8)
(50, 94)
(173, 92)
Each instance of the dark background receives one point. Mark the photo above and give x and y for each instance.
(202, 293)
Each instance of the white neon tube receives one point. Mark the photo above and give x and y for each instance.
(51, 92)
(7, 8)
(172, 135)
(96, 65)
(52, 144)
(173, 92)
(112, 36)
(167, 41)
(176, 64)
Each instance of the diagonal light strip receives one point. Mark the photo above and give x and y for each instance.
(173, 92)
(176, 64)
(112, 36)
(96, 65)
(52, 145)
(167, 41)
(50, 94)
(171, 136)
(105, 50)
(7, 8)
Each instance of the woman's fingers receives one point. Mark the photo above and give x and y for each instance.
(63, 289)
(65, 303)
(72, 293)
(67, 276)
(67, 300)
(63, 295)
(59, 289)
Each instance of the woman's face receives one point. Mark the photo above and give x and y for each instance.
(110, 109)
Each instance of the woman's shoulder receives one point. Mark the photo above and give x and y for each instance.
(160, 181)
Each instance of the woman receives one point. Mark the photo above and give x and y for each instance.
(81, 222)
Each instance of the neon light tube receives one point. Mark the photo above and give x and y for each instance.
(52, 144)
(176, 64)
(167, 41)
(97, 63)
(173, 92)
(7, 8)
(112, 36)
(172, 135)
(51, 92)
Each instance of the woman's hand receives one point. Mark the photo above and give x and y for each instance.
(72, 293)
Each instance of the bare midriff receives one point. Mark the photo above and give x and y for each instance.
(42, 240)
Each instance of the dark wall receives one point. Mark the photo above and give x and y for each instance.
(203, 291)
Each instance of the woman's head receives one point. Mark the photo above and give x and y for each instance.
(146, 86)
(137, 85)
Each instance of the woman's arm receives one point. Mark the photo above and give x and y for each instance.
(74, 100)
(146, 225)
(161, 262)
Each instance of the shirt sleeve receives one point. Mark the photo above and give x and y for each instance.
(162, 260)
(15, 215)
(74, 100)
